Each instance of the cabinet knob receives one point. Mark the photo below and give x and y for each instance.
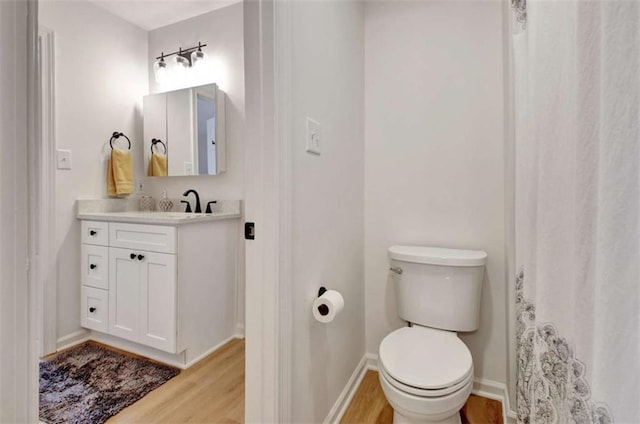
(93, 266)
(132, 256)
(93, 232)
(140, 257)
(92, 309)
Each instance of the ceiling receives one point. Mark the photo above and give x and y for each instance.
(152, 14)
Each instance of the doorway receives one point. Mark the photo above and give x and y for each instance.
(45, 218)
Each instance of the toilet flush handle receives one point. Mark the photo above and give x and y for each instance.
(397, 270)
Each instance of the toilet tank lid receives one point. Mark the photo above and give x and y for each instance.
(438, 256)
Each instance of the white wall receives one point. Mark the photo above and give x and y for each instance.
(101, 76)
(222, 31)
(327, 85)
(434, 172)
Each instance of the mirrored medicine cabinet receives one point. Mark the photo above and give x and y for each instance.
(184, 132)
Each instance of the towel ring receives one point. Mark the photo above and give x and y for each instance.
(155, 141)
(117, 135)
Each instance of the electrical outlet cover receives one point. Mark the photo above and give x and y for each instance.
(139, 185)
(188, 168)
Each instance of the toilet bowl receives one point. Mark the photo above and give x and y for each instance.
(426, 375)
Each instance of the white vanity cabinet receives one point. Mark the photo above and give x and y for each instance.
(143, 283)
(170, 288)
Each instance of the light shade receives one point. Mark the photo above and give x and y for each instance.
(160, 71)
(197, 57)
(182, 61)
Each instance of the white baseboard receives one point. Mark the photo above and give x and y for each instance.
(210, 351)
(497, 391)
(174, 360)
(72, 339)
(239, 331)
(178, 360)
(481, 387)
(372, 361)
(343, 401)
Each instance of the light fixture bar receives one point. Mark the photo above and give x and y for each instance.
(182, 51)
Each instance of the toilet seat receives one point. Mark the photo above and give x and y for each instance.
(425, 362)
(426, 393)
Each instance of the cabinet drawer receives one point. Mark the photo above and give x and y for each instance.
(94, 309)
(95, 232)
(94, 266)
(152, 238)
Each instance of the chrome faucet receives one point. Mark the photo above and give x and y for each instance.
(198, 208)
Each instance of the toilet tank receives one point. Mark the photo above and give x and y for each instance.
(437, 287)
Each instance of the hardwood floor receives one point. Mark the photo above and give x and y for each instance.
(212, 391)
(369, 406)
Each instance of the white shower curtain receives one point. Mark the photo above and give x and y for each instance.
(577, 106)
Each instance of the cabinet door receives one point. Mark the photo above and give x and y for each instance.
(94, 304)
(124, 294)
(158, 295)
(94, 266)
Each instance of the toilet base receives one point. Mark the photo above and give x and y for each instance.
(401, 419)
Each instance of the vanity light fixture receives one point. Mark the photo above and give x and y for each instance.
(184, 59)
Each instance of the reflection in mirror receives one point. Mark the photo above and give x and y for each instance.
(189, 123)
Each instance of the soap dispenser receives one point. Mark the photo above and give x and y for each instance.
(165, 204)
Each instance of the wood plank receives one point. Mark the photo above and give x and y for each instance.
(479, 410)
(370, 406)
(210, 391)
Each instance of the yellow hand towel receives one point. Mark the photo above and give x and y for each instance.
(119, 173)
(157, 165)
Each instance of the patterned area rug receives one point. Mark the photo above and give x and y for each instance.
(89, 383)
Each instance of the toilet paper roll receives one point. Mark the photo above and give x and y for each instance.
(326, 307)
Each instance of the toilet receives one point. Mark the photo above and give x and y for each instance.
(425, 370)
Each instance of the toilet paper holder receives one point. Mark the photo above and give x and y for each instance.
(323, 309)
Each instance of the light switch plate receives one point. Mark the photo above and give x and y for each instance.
(313, 136)
(63, 158)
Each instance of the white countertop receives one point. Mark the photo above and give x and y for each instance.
(161, 218)
(125, 210)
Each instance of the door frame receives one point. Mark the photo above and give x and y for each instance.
(268, 176)
(42, 215)
(268, 30)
